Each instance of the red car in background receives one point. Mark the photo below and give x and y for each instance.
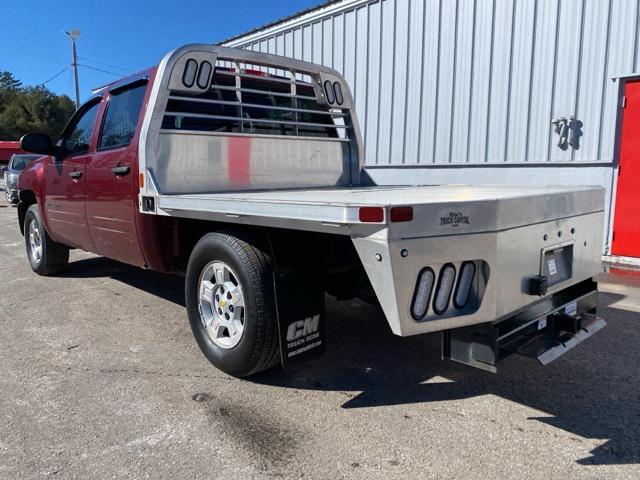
(8, 148)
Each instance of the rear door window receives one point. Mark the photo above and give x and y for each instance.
(121, 118)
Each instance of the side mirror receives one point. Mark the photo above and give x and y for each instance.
(37, 143)
(3, 169)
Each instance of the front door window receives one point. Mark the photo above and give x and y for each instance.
(77, 136)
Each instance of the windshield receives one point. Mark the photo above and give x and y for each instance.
(19, 162)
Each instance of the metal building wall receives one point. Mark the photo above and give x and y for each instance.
(464, 91)
(471, 81)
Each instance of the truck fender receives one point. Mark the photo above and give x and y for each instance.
(30, 191)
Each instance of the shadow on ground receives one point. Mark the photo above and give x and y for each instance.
(593, 391)
(169, 287)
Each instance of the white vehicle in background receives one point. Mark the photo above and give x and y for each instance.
(245, 171)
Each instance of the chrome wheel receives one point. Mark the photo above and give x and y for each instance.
(35, 242)
(221, 304)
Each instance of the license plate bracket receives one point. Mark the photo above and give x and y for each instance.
(557, 263)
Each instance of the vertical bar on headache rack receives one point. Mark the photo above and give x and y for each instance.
(239, 94)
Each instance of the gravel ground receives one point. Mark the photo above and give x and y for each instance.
(100, 378)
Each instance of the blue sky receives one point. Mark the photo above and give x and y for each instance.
(118, 36)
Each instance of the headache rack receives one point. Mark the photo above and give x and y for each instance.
(226, 119)
(252, 99)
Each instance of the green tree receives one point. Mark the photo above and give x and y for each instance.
(9, 88)
(9, 82)
(30, 109)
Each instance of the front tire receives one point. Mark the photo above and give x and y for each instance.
(230, 302)
(46, 257)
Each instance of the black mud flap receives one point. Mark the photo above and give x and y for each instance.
(301, 317)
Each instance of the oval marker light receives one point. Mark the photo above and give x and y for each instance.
(445, 286)
(328, 90)
(189, 74)
(338, 92)
(204, 74)
(422, 293)
(465, 282)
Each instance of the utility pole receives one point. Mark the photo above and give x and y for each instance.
(73, 35)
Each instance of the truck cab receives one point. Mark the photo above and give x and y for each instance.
(87, 189)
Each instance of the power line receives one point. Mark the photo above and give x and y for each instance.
(105, 64)
(100, 70)
(55, 76)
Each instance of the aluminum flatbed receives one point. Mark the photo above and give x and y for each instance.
(332, 209)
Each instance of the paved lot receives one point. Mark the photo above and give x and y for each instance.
(100, 378)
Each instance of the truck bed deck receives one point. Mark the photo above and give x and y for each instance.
(328, 209)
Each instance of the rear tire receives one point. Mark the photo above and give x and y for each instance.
(46, 257)
(231, 304)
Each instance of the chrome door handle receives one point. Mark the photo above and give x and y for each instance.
(75, 174)
(119, 171)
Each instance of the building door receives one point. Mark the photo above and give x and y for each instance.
(626, 223)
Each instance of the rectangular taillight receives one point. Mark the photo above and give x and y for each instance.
(371, 214)
(401, 214)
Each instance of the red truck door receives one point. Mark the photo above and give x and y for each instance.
(112, 190)
(64, 189)
(626, 223)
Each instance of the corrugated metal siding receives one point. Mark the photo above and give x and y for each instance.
(475, 81)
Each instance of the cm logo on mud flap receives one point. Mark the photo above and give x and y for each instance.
(302, 328)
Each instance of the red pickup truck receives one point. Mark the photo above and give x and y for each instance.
(245, 172)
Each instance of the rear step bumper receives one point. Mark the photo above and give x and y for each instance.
(544, 332)
(594, 325)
